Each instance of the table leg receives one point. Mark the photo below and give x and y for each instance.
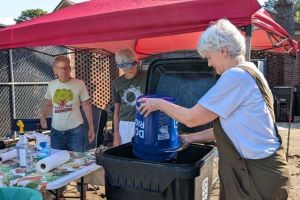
(56, 194)
(81, 188)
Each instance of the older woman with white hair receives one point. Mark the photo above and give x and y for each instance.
(125, 91)
(251, 158)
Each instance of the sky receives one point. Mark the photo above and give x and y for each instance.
(10, 9)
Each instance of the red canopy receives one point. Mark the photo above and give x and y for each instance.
(149, 26)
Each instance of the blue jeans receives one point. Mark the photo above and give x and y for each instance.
(71, 140)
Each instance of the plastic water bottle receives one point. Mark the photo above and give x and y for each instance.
(22, 150)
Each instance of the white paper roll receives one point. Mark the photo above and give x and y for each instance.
(8, 155)
(53, 161)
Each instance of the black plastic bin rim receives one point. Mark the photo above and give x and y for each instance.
(198, 163)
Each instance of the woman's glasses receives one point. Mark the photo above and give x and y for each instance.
(126, 65)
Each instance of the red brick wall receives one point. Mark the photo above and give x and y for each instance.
(292, 70)
(283, 70)
(275, 62)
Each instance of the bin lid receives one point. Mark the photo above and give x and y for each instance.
(186, 79)
(283, 90)
(285, 87)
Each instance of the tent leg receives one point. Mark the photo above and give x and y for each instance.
(248, 30)
(293, 89)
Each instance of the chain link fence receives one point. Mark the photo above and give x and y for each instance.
(24, 75)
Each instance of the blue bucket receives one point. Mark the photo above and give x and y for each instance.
(156, 136)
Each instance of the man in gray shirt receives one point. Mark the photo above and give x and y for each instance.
(125, 91)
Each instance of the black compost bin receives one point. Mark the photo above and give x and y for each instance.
(188, 177)
(284, 100)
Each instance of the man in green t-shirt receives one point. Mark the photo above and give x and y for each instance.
(125, 91)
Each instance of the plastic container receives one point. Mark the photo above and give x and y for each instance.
(23, 193)
(24, 153)
(43, 146)
(284, 103)
(188, 177)
(156, 136)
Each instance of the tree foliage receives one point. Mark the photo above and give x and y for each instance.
(30, 14)
(270, 4)
(297, 11)
(284, 13)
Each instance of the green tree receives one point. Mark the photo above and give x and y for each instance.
(297, 11)
(30, 14)
(283, 13)
(269, 5)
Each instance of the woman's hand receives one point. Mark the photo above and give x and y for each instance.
(149, 105)
(185, 139)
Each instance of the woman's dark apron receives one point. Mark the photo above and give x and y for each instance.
(256, 179)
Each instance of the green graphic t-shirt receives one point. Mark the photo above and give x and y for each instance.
(126, 91)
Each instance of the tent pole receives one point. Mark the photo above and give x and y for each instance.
(248, 30)
(293, 89)
(12, 80)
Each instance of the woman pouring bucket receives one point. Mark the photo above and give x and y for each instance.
(251, 159)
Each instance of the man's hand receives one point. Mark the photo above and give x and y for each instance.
(43, 122)
(117, 139)
(91, 136)
(47, 108)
